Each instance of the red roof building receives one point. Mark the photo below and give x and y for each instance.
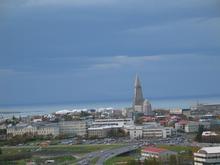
(158, 153)
(154, 149)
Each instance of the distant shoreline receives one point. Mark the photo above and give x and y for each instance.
(39, 109)
(190, 97)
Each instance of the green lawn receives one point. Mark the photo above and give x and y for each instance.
(16, 150)
(78, 149)
(118, 159)
(81, 149)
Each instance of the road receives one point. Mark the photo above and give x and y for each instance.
(111, 153)
(105, 154)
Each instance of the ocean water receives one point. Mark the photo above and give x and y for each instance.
(25, 110)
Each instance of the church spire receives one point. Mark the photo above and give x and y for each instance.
(138, 96)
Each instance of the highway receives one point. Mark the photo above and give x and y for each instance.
(105, 154)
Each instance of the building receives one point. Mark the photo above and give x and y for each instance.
(73, 128)
(48, 130)
(147, 109)
(206, 125)
(156, 131)
(203, 109)
(207, 118)
(138, 96)
(180, 126)
(176, 111)
(158, 153)
(207, 107)
(207, 155)
(135, 132)
(191, 127)
(113, 122)
(101, 132)
(186, 112)
(209, 133)
(33, 130)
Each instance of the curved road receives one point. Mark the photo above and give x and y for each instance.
(105, 154)
(109, 154)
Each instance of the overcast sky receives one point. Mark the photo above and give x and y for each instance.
(90, 50)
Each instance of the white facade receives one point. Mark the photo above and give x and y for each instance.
(138, 108)
(135, 132)
(147, 109)
(207, 155)
(48, 131)
(176, 111)
(73, 128)
(156, 131)
(209, 133)
(158, 153)
(113, 122)
(34, 130)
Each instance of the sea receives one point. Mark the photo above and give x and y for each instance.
(41, 109)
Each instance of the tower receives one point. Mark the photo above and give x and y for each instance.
(147, 109)
(138, 96)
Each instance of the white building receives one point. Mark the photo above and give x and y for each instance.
(158, 153)
(176, 111)
(138, 108)
(147, 109)
(207, 155)
(192, 127)
(113, 122)
(209, 133)
(33, 130)
(74, 128)
(135, 132)
(156, 131)
(48, 130)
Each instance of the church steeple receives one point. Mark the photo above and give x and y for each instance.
(138, 96)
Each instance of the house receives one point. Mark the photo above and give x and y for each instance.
(158, 153)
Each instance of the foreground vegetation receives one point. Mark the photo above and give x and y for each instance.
(59, 153)
(119, 160)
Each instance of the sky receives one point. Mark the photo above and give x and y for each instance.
(54, 51)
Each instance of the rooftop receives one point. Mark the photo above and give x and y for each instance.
(153, 149)
(210, 150)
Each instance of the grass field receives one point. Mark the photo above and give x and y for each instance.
(118, 160)
(79, 149)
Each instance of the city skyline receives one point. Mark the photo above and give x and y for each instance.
(67, 51)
